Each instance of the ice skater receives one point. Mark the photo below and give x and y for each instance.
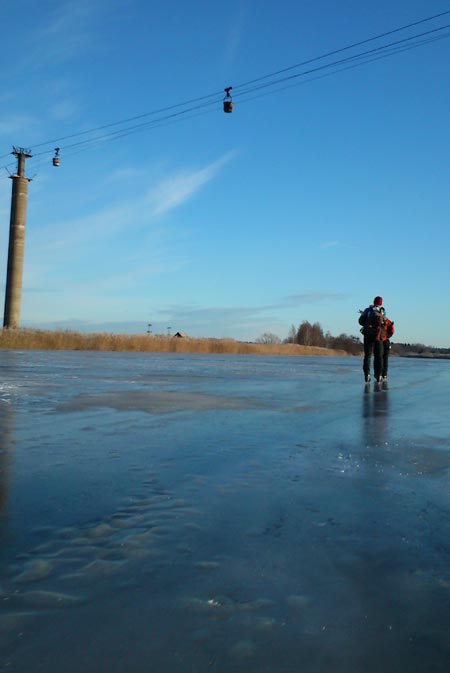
(373, 330)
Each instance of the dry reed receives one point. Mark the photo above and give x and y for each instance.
(31, 339)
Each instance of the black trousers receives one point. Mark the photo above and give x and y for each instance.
(375, 348)
(386, 349)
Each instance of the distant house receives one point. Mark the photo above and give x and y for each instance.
(180, 335)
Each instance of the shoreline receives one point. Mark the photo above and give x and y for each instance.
(31, 339)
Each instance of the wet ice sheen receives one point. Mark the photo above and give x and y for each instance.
(227, 513)
(154, 401)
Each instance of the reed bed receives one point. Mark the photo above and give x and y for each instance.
(31, 339)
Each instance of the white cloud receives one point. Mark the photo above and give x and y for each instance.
(235, 34)
(172, 192)
(83, 232)
(65, 109)
(134, 243)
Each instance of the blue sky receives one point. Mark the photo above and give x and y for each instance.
(313, 196)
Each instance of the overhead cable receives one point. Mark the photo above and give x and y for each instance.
(341, 49)
(244, 89)
(342, 60)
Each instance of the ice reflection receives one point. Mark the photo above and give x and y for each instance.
(375, 416)
(6, 416)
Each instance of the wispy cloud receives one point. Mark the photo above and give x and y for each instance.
(250, 315)
(326, 245)
(151, 246)
(210, 313)
(214, 320)
(171, 192)
(217, 321)
(83, 231)
(123, 174)
(315, 297)
(247, 321)
(67, 30)
(176, 190)
(65, 109)
(235, 33)
(16, 125)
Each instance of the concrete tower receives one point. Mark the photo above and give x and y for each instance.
(13, 294)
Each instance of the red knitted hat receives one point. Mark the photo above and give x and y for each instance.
(378, 301)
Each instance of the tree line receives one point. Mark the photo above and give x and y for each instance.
(419, 350)
(312, 334)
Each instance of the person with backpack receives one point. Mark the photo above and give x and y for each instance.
(389, 333)
(374, 332)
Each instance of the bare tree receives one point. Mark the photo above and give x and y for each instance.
(292, 336)
(268, 338)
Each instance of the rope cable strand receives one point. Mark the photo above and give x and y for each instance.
(390, 48)
(351, 66)
(367, 56)
(125, 121)
(118, 133)
(340, 61)
(362, 58)
(341, 49)
(92, 143)
(88, 144)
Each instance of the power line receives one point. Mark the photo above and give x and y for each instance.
(350, 46)
(86, 145)
(344, 60)
(351, 66)
(212, 99)
(136, 126)
(362, 58)
(125, 121)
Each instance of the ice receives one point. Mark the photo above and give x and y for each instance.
(222, 513)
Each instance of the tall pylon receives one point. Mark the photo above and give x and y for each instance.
(16, 248)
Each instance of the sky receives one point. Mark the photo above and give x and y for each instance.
(319, 191)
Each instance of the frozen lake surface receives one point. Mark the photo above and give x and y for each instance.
(174, 513)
